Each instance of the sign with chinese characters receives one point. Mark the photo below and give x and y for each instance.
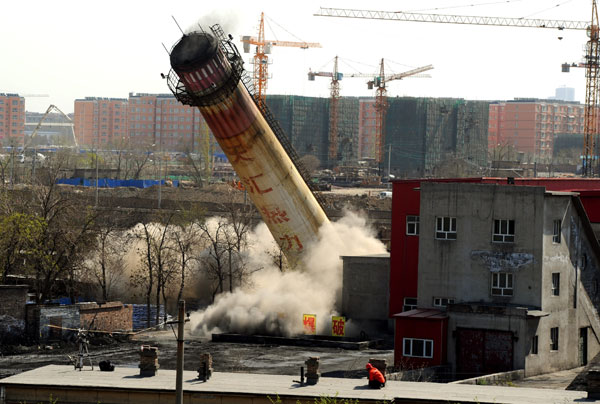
(310, 323)
(338, 326)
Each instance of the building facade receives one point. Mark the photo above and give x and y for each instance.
(12, 119)
(509, 277)
(531, 125)
(101, 122)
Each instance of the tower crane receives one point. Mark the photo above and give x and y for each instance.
(261, 60)
(591, 58)
(380, 101)
(334, 88)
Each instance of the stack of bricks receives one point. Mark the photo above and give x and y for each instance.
(148, 361)
(593, 383)
(379, 364)
(205, 370)
(312, 370)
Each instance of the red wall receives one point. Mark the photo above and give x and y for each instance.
(423, 328)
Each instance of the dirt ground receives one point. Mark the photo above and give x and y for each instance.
(227, 357)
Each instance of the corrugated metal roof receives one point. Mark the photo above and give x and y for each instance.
(431, 314)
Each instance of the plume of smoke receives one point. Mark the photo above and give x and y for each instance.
(275, 301)
(228, 19)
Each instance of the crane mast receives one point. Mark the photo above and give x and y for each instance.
(589, 166)
(333, 112)
(381, 106)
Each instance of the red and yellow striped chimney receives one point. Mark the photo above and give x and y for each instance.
(207, 73)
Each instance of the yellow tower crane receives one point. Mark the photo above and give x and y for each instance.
(592, 62)
(261, 60)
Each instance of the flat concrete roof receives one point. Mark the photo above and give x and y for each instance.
(56, 378)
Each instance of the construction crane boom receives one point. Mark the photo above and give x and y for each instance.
(452, 19)
(39, 125)
(261, 60)
(274, 42)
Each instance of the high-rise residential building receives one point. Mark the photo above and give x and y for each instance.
(160, 121)
(565, 93)
(101, 122)
(367, 128)
(531, 125)
(12, 118)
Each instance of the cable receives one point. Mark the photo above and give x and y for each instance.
(549, 8)
(465, 5)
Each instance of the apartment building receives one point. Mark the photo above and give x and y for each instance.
(367, 128)
(507, 279)
(531, 125)
(160, 121)
(12, 118)
(101, 122)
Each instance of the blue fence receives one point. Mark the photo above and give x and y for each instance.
(111, 183)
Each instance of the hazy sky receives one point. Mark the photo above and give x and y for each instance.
(74, 49)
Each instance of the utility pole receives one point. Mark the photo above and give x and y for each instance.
(180, 340)
(96, 175)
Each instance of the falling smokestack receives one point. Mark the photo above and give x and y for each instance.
(207, 72)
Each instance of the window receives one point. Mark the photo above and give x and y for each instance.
(555, 284)
(504, 231)
(502, 284)
(534, 345)
(554, 339)
(410, 303)
(442, 301)
(412, 225)
(420, 348)
(556, 232)
(445, 228)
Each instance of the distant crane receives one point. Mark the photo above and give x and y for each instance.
(39, 125)
(381, 103)
(334, 92)
(261, 60)
(591, 57)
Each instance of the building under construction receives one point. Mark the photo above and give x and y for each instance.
(421, 134)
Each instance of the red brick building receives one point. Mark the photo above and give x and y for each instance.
(12, 118)
(101, 122)
(160, 120)
(531, 125)
(366, 128)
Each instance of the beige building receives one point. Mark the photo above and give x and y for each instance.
(516, 272)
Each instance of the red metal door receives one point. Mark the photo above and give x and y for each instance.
(469, 353)
(480, 352)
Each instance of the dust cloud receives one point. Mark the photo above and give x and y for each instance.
(227, 19)
(274, 302)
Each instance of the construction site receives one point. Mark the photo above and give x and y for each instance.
(286, 248)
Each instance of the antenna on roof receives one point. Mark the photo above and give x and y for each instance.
(178, 26)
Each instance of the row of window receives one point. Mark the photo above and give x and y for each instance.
(502, 285)
(423, 348)
(503, 231)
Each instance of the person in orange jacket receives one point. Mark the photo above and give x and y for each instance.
(376, 379)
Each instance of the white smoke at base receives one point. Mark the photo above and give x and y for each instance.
(275, 301)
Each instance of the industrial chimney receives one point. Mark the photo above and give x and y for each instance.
(207, 72)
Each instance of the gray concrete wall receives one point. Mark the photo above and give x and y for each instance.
(365, 290)
(69, 316)
(462, 268)
(446, 265)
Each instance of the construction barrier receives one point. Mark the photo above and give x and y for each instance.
(112, 183)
